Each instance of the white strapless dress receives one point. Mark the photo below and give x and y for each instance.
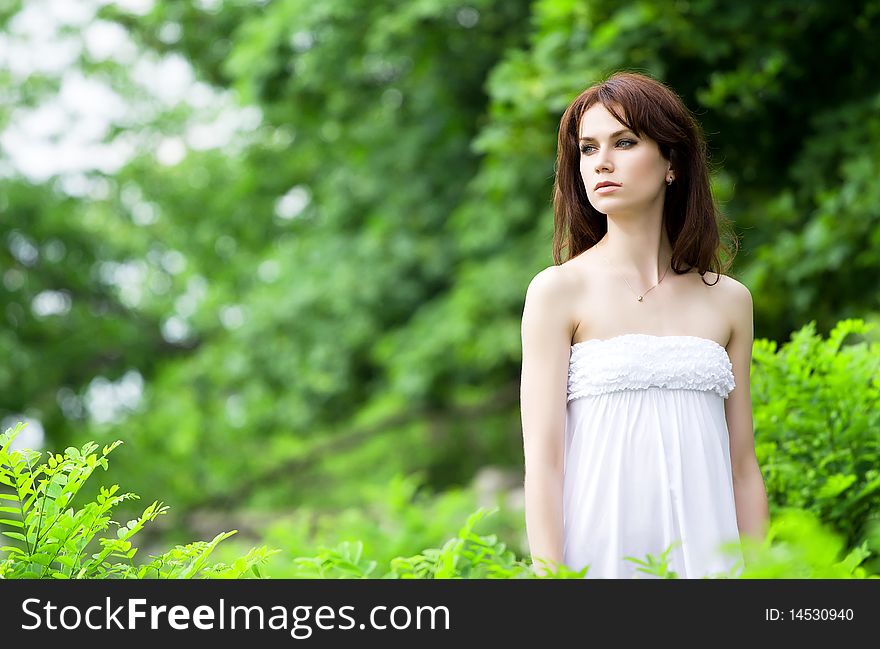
(647, 458)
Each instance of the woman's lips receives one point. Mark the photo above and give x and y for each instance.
(607, 189)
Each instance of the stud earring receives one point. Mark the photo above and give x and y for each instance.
(669, 181)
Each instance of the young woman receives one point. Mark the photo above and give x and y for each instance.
(636, 412)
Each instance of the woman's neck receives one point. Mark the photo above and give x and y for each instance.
(636, 250)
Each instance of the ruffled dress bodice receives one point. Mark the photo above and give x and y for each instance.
(639, 361)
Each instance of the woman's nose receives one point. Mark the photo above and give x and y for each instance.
(603, 162)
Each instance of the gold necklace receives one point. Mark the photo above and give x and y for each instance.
(638, 297)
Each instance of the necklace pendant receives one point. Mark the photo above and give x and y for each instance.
(640, 298)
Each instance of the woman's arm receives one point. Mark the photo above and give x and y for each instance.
(546, 348)
(748, 485)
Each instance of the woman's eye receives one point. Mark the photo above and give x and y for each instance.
(585, 148)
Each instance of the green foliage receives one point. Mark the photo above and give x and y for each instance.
(469, 555)
(54, 537)
(797, 546)
(816, 416)
(391, 520)
(656, 565)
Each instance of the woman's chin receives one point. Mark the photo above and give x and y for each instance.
(602, 203)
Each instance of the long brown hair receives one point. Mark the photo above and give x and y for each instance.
(693, 222)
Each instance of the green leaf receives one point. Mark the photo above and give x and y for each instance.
(6, 521)
(65, 560)
(835, 485)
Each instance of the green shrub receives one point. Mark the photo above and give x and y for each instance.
(797, 546)
(395, 519)
(817, 425)
(54, 538)
(800, 546)
(468, 555)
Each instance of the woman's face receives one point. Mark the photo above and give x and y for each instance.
(610, 152)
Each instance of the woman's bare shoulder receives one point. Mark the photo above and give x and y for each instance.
(551, 283)
(550, 294)
(734, 300)
(725, 283)
(731, 287)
